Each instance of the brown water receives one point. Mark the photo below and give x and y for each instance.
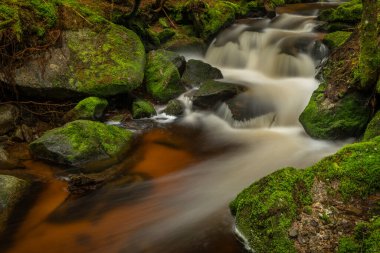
(173, 191)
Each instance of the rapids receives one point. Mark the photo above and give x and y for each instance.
(185, 208)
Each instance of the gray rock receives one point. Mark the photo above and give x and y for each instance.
(12, 191)
(174, 107)
(8, 118)
(198, 71)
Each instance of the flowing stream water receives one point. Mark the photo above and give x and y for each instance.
(189, 172)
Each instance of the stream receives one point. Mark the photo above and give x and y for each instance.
(185, 174)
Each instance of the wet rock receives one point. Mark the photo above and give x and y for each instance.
(142, 109)
(8, 118)
(213, 92)
(140, 124)
(91, 108)
(12, 192)
(102, 62)
(174, 107)
(162, 75)
(88, 145)
(198, 71)
(81, 184)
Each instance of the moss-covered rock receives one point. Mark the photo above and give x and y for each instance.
(91, 108)
(373, 128)
(349, 12)
(105, 61)
(174, 107)
(162, 76)
(325, 119)
(210, 18)
(213, 92)
(198, 71)
(165, 35)
(142, 109)
(88, 145)
(266, 210)
(12, 192)
(336, 39)
(366, 238)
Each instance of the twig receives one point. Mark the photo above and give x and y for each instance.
(171, 22)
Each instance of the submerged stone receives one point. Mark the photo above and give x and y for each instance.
(91, 108)
(324, 119)
(198, 71)
(162, 75)
(142, 109)
(12, 192)
(85, 144)
(103, 62)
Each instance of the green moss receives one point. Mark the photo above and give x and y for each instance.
(323, 119)
(162, 76)
(142, 109)
(166, 35)
(373, 128)
(81, 142)
(366, 238)
(349, 12)
(336, 39)
(266, 210)
(117, 68)
(91, 108)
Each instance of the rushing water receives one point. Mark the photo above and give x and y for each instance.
(188, 173)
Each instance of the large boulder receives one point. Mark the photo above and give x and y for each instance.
(213, 92)
(8, 117)
(91, 108)
(198, 71)
(289, 210)
(162, 75)
(12, 191)
(85, 144)
(101, 62)
(326, 119)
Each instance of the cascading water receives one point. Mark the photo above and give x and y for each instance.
(186, 210)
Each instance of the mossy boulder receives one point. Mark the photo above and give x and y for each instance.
(174, 107)
(349, 12)
(91, 108)
(210, 18)
(102, 61)
(336, 39)
(373, 128)
(211, 93)
(266, 210)
(162, 76)
(12, 191)
(198, 71)
(85, 144)
(326, 119)
(142, 109)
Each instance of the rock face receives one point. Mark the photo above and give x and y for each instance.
(309, 210)
(197, 72)
(142, 109)
(162, 75)
(212, 92)
(8, 117)
(91, 108)
(88, 145)
(12, 191)
(323, 119)
(99, 63)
